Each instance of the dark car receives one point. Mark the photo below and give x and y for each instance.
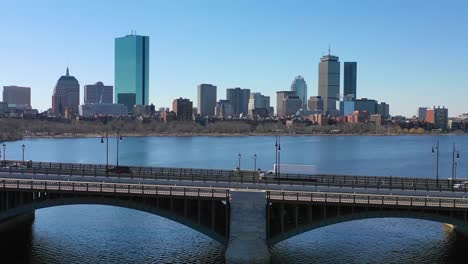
(120, 170)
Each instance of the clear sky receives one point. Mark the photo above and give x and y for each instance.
(409, 53)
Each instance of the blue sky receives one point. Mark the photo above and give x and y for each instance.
(409, 53)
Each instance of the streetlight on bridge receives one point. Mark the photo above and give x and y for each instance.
(436, 148)
(455, 157)
(23, 147)
(119, 138)
(107, 149)
(239, 161)
(4, 148)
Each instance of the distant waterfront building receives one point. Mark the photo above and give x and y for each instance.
(239, 99)
(206, 99)
(258, 101)
(347, 107)
(350, 79)
(132, 70)
(183, 109)
(422, 113)
(224, 109)
(329, 82)
(66, 95)
(287, 103)
(106, 109)
(383, 109)
(17, 95)
(437, 116)
(315, 104)
(300, 87)
(98, 93)
(368, 105)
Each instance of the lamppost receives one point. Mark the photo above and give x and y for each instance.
(23, 147)
(278, 154)
(437, 166)
(455, 157)
(4, 148)
(238, 164)
(255, 165)
(119, 138)
(107, 149)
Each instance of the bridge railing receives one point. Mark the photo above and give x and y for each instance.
(368, 199)
(233, 176)
(118, 188)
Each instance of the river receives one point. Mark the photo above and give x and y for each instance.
(92, 233)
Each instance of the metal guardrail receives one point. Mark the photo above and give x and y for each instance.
(368, 199)
(111, 188)
(232, 176)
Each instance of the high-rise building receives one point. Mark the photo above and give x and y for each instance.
(183, 108)
(206, 99)
(258, 101)
(422, 112)
(17, 95)
(239, 99)
(383, 109)
(329, 82)
(368, 105)
(223, 108)
(350, 79)
(98, 93)
(315, 103)
(437, 116)
(66, 95)
(300, 87)
(287, 103)
(132, 70)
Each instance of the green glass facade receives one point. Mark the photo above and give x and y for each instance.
(132, 70)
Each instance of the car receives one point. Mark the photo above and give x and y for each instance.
(461, 185)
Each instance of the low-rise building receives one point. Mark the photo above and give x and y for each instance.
(89, 110)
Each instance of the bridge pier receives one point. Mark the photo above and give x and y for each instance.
(247, 236)
(17, 221)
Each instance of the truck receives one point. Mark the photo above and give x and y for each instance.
(290, 171)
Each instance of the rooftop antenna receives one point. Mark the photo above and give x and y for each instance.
(328, 49)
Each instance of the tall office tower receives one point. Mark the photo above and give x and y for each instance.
(239, 99)
(300, 87)
(183, 108)
(98, 93)
(206, 99)
(329, 82)
(17, 95)
(287, 103)
(66, 94)
(383, 109)
(132, 70)
(350, 79)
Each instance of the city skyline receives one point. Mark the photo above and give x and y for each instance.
(387, 51)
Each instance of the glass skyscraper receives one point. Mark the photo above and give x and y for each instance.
(132, 70)
(300, 87)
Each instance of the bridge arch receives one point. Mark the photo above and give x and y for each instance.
(109, 201)
(460, 225)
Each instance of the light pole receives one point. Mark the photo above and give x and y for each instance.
(437, 166)
(255, 164)
(276, 156)
(119, 138)
(23, 147)
(107, 149)
(238, 164)
(279, 156)
(4, 148)
(455, 157)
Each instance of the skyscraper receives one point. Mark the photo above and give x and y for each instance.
(287, 103)
(239, 99)
(258, 101)
(329, 82)
(206, 99)
(349, 79)
(132, 70)
(17, 95)
(98, 93)
(66, 94)
(300, 87)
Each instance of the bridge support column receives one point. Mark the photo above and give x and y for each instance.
(17, 221)
(247, 230)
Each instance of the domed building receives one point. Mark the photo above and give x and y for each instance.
(66, 95)
(300, 87)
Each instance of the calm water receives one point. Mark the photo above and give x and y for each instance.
(90, 234)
